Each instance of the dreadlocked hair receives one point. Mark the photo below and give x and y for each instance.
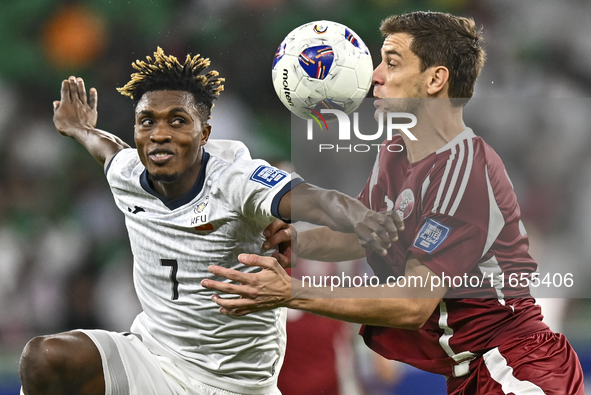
(165, 72)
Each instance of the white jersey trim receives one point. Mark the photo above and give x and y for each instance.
(448, 165)
(467, 134)
(491, 269)
(467, 172)
(496, 221)
(502, 373)
(463, 358)
(374, 179)
(454, 178)
(458, 155)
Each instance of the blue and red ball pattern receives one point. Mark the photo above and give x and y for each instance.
(316, 61)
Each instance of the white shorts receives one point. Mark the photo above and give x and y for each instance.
(130, 368)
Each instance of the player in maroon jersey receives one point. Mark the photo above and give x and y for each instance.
(461, 222)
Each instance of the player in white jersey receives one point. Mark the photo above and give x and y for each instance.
(188, 204)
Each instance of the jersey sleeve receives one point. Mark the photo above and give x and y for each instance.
(460, 214)
(228, 150)
(448, 246)
(121, 167)
(255, 188)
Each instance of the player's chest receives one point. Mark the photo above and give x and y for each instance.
(404, 198)
(203, 216)
(403, 192)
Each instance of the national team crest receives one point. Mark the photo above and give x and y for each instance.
(201, 206)
(200, 221)
(404, 204)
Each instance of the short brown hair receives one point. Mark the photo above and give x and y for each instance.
(441, 39)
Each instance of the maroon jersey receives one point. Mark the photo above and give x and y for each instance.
(463, 222)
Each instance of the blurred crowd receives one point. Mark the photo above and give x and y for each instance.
(64, 255)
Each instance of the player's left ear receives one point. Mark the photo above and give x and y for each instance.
(437, 79)
(205, 133)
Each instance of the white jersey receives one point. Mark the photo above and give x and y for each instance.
(173, 243)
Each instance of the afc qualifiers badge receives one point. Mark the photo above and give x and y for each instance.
(404, 203)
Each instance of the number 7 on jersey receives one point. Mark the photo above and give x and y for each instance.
(174, 267)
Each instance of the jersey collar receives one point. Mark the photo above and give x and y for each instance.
(175, 203)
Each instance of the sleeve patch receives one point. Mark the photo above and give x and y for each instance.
(268, 176)
(431, 235)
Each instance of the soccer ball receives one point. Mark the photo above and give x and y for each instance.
(322, 64)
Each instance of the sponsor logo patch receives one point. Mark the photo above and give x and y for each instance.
(431, 235)
(268, 176)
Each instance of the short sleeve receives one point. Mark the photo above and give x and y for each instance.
(122, 166)
(255, 188)
(447, 245)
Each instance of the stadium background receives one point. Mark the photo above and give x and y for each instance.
(64, 256)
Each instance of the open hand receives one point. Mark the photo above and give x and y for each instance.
(74, 111)
(265, 290)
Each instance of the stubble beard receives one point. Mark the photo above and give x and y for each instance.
(408, 104)
(163, 178)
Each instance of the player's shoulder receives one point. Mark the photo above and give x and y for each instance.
(228, 150)
(230, 160)
(459, 165)
(231, 167)
(242, 172)
(464, 141)
(468, 151)
(124, 163)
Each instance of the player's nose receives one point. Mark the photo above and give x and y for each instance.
(160, 134)
(378, 75)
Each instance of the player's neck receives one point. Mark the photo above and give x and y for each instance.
(179, 187)
(434, 130)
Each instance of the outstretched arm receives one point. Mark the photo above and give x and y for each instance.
(349, 227)
(75, 116)
(407, 307)
(317, 244)
(344, 215)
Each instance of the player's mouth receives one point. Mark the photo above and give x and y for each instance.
(160, 156)
(379, 103)
(378, 99)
